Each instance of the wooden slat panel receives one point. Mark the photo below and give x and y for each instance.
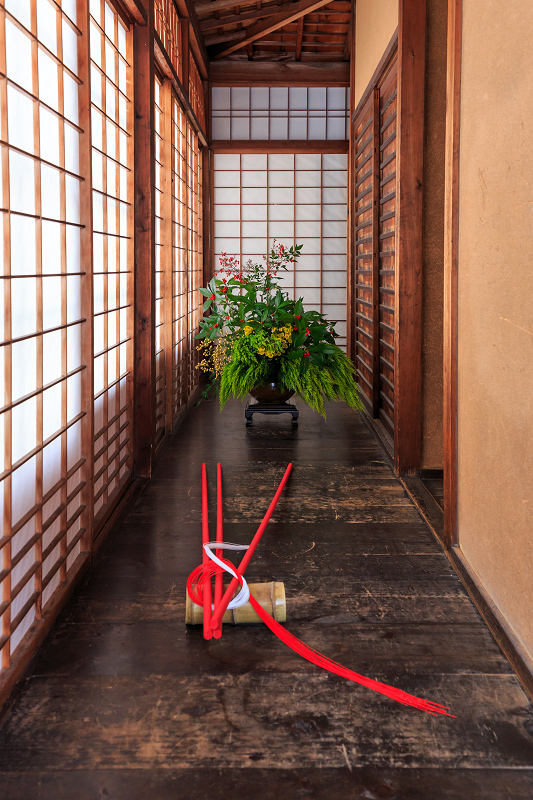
(386, 231)
(363, 237)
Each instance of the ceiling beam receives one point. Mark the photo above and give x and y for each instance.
(266, 73)
(257, 13)
(299, 38)
(227, 36)
(208, 6)
(260, 29)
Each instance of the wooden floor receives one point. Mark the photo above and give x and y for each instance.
(124, 702)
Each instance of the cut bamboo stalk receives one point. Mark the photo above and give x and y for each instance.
(270, 596)
(230, 591)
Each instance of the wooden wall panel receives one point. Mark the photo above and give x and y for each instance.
(373, 236)
(386, 231)
(364, 177)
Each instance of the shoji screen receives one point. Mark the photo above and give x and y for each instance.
(160, 221)
(179, 258)
(280, 112)
(178, 264)
(168, 28)
(194, 250)
(294, 198)
(41, 478)
(111, 121)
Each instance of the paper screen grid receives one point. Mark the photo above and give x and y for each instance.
(180, 237)
(41, 284)
(111, 123)
(160, 222)
(280, 112)
(194, 251)
(295, 199)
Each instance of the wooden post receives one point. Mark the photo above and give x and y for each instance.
(408, 244)
(86, 252)
(144, 386)
(451, 227)
(350, 241)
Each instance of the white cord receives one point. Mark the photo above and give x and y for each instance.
(243, 596)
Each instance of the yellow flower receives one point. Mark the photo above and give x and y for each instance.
(261, 350)
(247, 330)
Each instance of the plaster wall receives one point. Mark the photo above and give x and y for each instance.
(375, 23)
(495, 314)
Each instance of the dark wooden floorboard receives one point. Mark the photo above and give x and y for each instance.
(436, 488)
(124, 702)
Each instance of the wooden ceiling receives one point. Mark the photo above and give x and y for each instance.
(276, 30)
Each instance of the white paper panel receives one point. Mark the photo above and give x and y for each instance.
(254, 229)
(225, 161)
(254, 196)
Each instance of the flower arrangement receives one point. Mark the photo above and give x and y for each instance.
(253, 333)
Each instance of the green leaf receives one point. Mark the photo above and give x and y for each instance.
(207, 305)
(304, 365)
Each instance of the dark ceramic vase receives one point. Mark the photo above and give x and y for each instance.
(270, 393)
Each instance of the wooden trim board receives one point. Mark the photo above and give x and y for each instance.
(451, 231)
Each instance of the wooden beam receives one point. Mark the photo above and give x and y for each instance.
(408, 245)
(133, 10)
(299, 38)
(257, 13)
(144, 230)
(280, 146)
(208, 7)
(348, 49)
(350, 266)
(260, 29)
(228, 36)
(233, 73)
(451, 231)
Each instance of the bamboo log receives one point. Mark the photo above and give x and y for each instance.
(271, 596)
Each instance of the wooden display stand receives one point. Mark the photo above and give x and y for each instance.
(271, 408)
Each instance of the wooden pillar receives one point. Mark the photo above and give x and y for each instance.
(144, 237)
(408, 244)
(350, 241)
(451, 225)
(86, 250)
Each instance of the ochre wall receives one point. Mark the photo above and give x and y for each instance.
(375, 23)
(433, 241)
(495, 323)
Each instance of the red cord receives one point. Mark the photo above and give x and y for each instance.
(194, 589)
